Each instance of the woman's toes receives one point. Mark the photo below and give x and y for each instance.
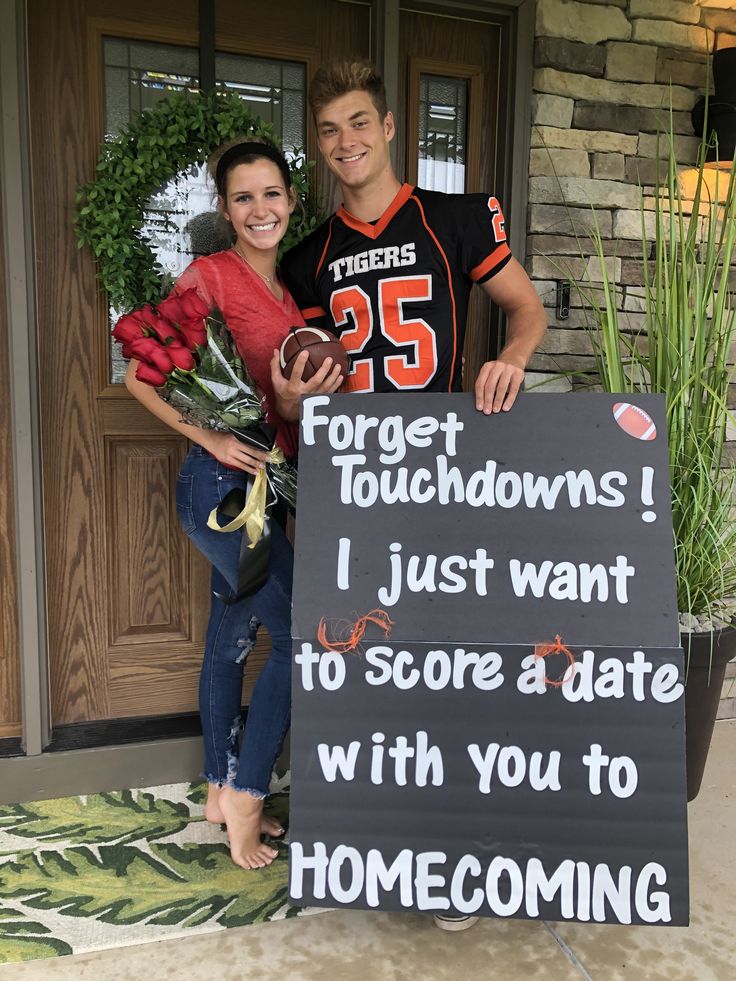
(270, 826)
(257, 859)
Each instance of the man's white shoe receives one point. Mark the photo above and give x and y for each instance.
(454, 923)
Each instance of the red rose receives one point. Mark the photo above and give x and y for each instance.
(185, 306)
(181, 356)
(150, 350)
(137, 325)
(141, 347)
(127, 328)
(150, 375)
(170, 308)
(188, 311)
(164, 329)
(192, 306)
(145, 315)
(160, 359)
(129, 347)
(193, 334)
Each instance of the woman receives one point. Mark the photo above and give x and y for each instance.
(255, 195)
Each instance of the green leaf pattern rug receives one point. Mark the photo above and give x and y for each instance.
(126, 867)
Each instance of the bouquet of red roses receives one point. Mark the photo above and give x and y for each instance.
(164, 340)
(186, 351)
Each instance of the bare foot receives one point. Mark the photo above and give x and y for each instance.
(212, 810)
(243, 819)
(213, 813)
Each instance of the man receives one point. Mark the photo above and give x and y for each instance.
(391, 271)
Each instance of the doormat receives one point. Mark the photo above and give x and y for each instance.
(127, 867)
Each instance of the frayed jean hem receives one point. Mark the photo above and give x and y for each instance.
(251, 791)
(229, 782)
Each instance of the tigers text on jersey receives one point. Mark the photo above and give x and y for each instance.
(396, 291)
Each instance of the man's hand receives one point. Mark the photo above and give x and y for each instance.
(497, 386)
(288, 391)
(499, 381)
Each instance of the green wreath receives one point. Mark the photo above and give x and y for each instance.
(156, 146)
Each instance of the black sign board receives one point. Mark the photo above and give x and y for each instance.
(470, 761)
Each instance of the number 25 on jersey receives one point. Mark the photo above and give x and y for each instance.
(411, 370)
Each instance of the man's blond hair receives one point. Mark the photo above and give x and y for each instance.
(340, 77)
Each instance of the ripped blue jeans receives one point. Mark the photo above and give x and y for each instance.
(201, 485)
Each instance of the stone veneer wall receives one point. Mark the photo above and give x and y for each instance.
(604, 72)
(602, 76)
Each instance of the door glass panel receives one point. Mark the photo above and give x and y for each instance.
(442, 132)
(180, 218)
(274, 90)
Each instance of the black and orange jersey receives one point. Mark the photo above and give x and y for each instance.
(396, 291)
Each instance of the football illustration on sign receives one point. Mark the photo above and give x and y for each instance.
(634, 421)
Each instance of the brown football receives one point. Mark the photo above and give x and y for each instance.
(319, 343)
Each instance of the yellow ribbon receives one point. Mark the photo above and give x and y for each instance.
(253, 515)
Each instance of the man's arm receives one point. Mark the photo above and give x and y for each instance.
(498, 382)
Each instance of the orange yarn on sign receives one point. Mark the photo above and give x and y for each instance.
(347, 635)
(544, 650)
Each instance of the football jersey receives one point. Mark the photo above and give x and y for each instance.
(396, 290)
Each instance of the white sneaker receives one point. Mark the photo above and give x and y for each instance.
(454, 923)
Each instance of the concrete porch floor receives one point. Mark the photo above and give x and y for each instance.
(359, 946)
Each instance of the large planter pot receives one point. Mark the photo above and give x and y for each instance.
(706, 669)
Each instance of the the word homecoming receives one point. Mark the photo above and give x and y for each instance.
(441, 482)
(426, 881)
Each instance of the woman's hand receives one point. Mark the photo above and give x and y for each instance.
(288, 391)
(228, 449)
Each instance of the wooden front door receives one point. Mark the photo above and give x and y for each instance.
(127, 595)
(449, 94)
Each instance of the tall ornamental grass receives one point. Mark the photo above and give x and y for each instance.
(683, 351)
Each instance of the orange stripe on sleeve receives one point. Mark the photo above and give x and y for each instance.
(309, 313)
(490, 263)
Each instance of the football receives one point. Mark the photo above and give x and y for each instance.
(320, 344)
(634, 421)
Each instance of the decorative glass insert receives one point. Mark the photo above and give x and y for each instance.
(274, 90)
(180, 219)
(443, 105)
